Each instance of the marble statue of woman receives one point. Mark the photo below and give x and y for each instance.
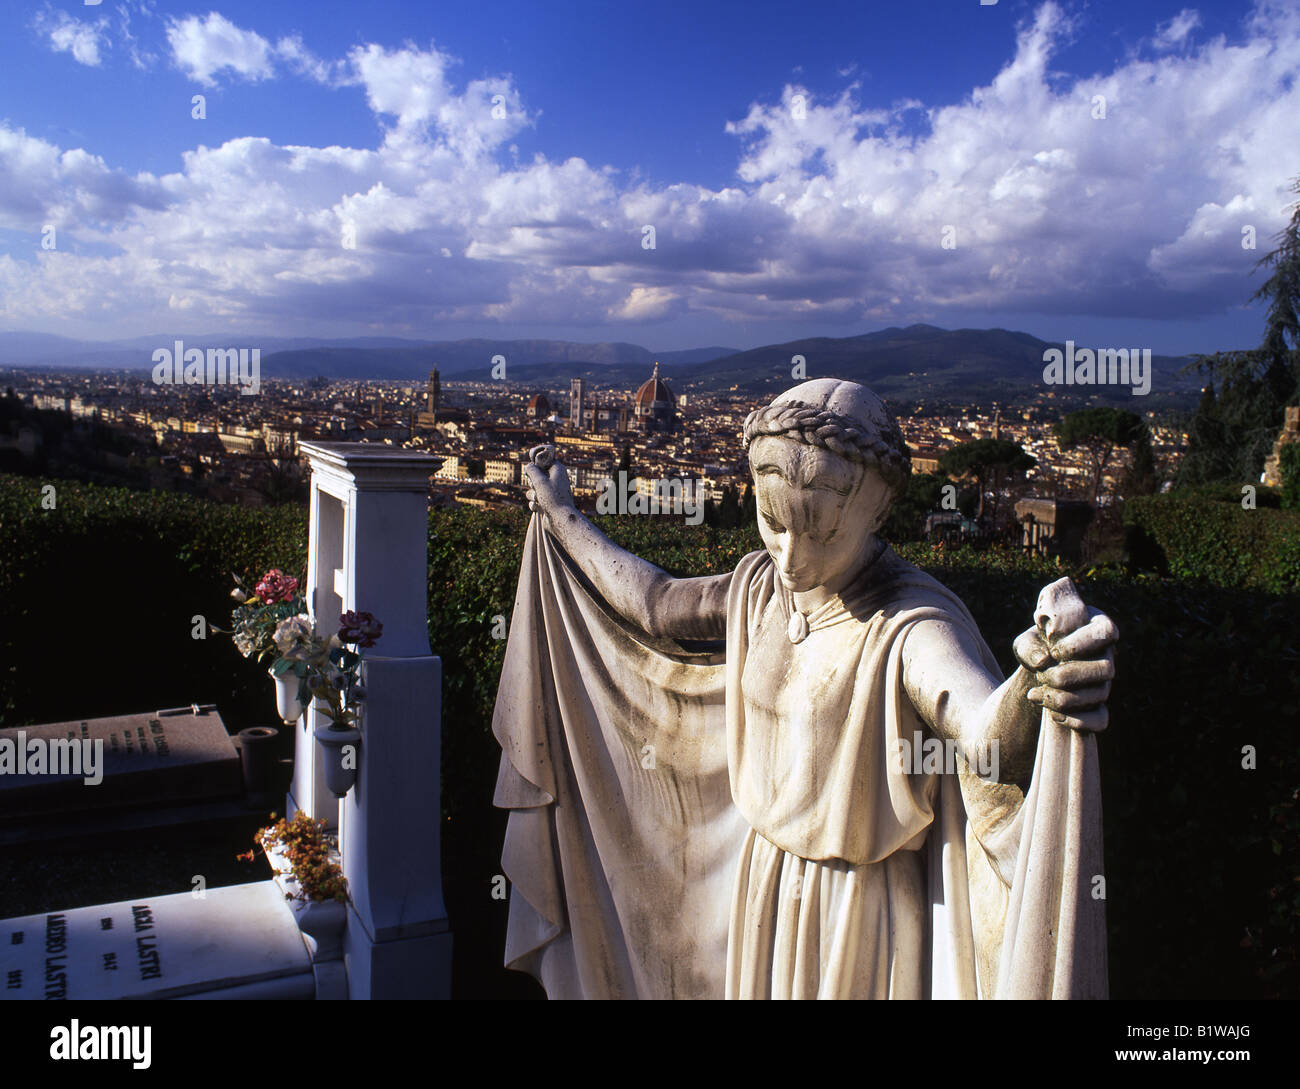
(717, 786)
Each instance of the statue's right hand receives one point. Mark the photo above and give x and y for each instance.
(548, 481)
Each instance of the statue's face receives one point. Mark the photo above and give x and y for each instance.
(817, 511)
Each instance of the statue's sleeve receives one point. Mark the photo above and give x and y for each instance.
(622, 840)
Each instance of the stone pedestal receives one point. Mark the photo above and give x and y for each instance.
(369, 551)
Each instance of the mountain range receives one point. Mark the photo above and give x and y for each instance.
(350, 357)
(916, 362)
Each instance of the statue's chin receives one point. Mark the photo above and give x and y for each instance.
(798, 585)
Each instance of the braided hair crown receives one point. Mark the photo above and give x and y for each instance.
(843, 417)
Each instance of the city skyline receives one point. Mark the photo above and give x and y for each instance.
(211, 440)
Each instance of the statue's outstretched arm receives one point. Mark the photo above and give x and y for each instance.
(650, 598)
(995, 722)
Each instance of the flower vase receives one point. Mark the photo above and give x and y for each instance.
(286, 696)
(322, 922)
(341, 750)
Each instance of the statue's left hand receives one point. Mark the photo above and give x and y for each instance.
(547, 481)
(1073, 673)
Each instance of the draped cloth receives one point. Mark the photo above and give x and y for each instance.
(646, 847)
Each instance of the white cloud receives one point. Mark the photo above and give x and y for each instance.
(141, 58)
(203, 47)
(412, 86)
(647, 304)
(72, 189)
(303, 62)
(87, 41)
(66, 34)
(836, 215)
(1174, 33)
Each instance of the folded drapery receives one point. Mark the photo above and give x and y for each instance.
(623, 840)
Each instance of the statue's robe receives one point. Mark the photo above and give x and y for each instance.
(687, 823)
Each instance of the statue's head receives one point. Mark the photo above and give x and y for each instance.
(828, 462)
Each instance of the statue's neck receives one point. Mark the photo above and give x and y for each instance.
(808, 600)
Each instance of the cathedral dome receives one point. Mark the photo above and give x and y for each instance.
(655, 408)
(654, 391)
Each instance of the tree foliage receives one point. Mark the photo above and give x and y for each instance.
(1290, 458)
(991, 462)
(1143, 478)
(1099, 430)
(1235, 427)
(906, 522)
(282, 478)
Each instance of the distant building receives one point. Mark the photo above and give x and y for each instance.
(283, 441)
(925, 459)
(655, 408)
(575, 404)
(539, 408)
(604, 419)
(585, 443)
(501, 470)
(428, 419)
(1054, 526)
(454, 423)
(452, 468)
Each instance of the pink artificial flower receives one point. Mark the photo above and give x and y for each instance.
(276, 586)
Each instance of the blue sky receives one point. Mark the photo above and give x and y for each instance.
(438, 171)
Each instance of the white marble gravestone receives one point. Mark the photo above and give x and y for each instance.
(238, 942)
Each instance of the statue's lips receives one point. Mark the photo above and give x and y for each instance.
(796, 583)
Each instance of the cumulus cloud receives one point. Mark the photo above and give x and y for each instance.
(202, 47)
(73, 189)
(66, 34)
(1115, 194)
(87, 41)
(412, 86)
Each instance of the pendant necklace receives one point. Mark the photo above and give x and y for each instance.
(802, 623)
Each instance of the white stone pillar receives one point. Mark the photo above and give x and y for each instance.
(369, 552)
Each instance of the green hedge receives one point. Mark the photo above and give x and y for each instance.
(1190, 536)
(1201, 853)
(1289, 463)
(102, 590)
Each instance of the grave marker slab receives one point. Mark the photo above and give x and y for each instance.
(156, 947)
(172, 756)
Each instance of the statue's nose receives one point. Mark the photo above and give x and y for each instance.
(790, 559)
